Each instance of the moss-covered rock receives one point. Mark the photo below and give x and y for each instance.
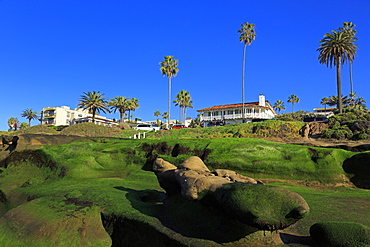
(343, 234)
(53, 221)
(261, 206)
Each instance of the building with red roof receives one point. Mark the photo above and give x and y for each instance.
(232, 113)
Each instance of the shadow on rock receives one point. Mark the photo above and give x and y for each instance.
(188, 218)
(359, 166)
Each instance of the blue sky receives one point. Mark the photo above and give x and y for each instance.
(53, 51)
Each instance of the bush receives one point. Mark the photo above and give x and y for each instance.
(344, 234)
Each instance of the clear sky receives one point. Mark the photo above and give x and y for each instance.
(53, 51)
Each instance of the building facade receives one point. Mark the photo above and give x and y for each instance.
(228, 114)
(64, 115)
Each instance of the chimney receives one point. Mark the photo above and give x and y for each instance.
(261, 101)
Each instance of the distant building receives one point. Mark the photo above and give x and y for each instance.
(227, 114)
(328, 111)
(64, 115)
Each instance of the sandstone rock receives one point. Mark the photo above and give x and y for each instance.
(160, 165)
(233, 176)
(194, 163)
(313, 129)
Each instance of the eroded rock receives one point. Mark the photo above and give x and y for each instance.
(240, 197)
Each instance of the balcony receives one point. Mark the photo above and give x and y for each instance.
(237, 116)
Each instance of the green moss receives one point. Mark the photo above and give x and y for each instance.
(346, 234)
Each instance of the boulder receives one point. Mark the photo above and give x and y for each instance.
(194, 163)
(313, 129)
(160, 165)
(240, 197)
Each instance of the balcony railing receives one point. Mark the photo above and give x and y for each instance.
(48, 115)
(237, 116)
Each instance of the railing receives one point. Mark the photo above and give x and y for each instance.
(48, 115)
(237, 116)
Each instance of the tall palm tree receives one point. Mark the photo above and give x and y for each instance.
(183, 99)
(279, 105)
(247, 35)
(30, 114)
(293, 99)
(335, 49)
(325, 101)
(169, 69)
(348, 28)
(121, 104)
(95, 102)
(333, 100)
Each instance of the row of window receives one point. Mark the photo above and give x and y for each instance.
(230, 112)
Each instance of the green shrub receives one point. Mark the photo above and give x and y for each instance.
(344, 234)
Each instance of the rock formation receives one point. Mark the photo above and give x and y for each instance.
(240, 197)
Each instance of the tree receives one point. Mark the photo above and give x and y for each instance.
(157, 114)
(348, 28)
(333, 100)
(293, 99)
(95, 102)
(165, 116)
(133, 104)
(13, 123)
(121, 104)
(29, 114)
(247, 35)
(279, 105)
(324, 101)
(169, 69)
(183, 99)
(336, 48)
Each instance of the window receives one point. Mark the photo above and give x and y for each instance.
(68, 114)
(215, 113)
(209, 114)
(79, 115)
(230, 112)
(236, 111)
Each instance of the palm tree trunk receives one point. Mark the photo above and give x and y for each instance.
(339, 86)
(93, 118)
(169, 102)
(350, 77)
(243, 71)
(121, 115)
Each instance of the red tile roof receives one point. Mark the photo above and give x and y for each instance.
(218, 107)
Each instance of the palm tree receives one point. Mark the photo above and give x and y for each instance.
(119, 103)
(133, 104)
(325, 101)
(348, 28)
(157, 114)
(183, 99)
(29, 114)
(293, 99)
(166, 116)
(169, 69)
(247, 35)
(279, 105)
(335, 49)
(94, 102)
(333, 100)
(13, 123)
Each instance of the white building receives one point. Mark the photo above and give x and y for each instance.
(64, 115)
(232, 113)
